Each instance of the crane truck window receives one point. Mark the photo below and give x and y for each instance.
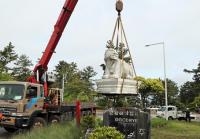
(31, 92)
(170, 109)
(11, 91)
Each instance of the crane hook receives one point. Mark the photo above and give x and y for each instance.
(119, 6)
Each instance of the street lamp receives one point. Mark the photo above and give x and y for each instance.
(164, 62)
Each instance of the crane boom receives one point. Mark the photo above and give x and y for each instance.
(56, 35)
(59, 27)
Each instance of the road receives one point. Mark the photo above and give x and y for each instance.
(4, 134)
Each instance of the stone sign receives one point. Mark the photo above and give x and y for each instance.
(133, 123)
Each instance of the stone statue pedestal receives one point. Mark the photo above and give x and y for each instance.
(117, 86)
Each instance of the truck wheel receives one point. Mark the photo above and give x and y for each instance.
(54, 119)
(38, 122)
(10, 130)
(170, 118)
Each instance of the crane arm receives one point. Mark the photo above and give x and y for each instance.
(42, 66)
(56, 35)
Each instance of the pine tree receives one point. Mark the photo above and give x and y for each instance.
(7, 55)
(21, 69)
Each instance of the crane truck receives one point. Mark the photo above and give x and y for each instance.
(32, 103)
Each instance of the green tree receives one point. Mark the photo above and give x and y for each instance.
(149, 87)
(78, 84)
(69, 70)
(21, 69)
(79, 89)
(7, 55)
(191, 89)
(87, 73)
(172, 91)
(195, 72)
(195, 104)
(172, 94)
(188, 92)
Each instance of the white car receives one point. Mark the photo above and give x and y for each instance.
(169, 113)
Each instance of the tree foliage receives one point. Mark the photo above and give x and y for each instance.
(78, 83)
(149, 87)
(195, 72)
(172, 93)
(7, 55)
(188, 92)
(87, 73)
(13, 67)
(21, 69)
(195, 105)
(69, 70)
(191, 89)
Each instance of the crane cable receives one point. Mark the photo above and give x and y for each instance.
(117, 30)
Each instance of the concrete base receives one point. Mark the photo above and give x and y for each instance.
(117, 86)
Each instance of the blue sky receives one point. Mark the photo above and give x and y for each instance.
(28, 24)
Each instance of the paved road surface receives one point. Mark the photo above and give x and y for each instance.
(4, 134)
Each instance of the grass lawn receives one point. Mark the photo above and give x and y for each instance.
(177, 130)
(59, 131)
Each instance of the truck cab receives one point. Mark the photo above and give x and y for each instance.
(169, 112)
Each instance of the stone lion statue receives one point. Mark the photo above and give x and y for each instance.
(115, 67)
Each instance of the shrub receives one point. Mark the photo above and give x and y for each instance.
(158, 122)
(87, 122)
(106, 133)
(98, 122)
(102, 102)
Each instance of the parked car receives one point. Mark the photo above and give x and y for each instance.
(169, 113)
(172, 113)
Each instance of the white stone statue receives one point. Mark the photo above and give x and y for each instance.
(115, 67)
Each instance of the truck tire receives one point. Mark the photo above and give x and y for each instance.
(38, 122)
(170, 118)
(54, 119)
(10, 130)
